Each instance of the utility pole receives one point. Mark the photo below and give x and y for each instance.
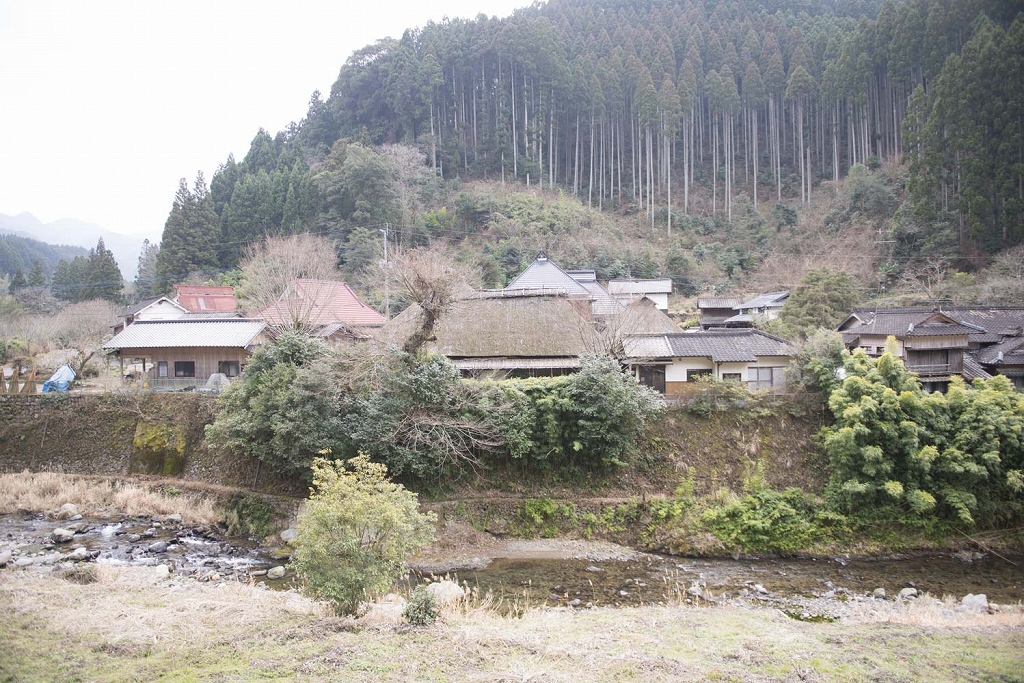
(385, 266)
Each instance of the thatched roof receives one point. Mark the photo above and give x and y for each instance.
(500, 325)
(642, 316)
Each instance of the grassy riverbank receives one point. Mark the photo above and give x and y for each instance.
(107, 623)
(128, 625)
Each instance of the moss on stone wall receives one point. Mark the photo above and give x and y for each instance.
(118, 434)
(158, 448)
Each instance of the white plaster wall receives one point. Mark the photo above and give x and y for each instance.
(164, 310)
(676, 372)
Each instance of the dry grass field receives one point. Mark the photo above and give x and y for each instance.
(94, 496)
(126, 624)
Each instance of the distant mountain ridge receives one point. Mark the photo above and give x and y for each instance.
(75, 233)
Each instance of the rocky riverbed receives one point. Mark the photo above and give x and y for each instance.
(519, 573)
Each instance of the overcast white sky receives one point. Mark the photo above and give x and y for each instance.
(106, 105)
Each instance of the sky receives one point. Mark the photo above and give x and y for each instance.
(106, 105)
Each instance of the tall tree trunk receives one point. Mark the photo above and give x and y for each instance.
(590, 189)
(753, 129)
(515, 137)
(576, 162)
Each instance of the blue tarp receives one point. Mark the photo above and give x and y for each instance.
(60, 380)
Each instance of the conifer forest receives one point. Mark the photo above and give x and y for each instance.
(675, 111)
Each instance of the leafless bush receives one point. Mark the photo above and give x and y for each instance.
(269, 272)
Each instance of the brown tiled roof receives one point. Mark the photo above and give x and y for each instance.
(206, 298)
(322, 302)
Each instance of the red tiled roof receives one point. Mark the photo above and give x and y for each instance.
(323, 303)
(206, 299)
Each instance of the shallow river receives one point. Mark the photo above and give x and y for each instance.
(660, 579)
(526, 582)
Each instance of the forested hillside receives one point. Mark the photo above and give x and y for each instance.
(21, 253)
(702, 127)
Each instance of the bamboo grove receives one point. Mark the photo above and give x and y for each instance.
(635, 103)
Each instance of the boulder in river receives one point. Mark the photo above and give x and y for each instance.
(445, 592)
(67, 511)
(5, 558)
(908, 593)
(289, 535)
(975, 603)
(276, 572)
(878, 594)
(78, 554)
(158, 547)
(60, 535)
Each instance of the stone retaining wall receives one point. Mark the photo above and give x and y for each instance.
(120, 434)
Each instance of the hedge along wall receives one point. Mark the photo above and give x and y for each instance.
(122, 434)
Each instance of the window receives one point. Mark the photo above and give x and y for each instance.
(161, 368)
(766, 378)
(694, 375)
(228, 367)
(732, 376)
(184, 368)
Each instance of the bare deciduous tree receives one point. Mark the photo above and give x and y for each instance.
(434, 280)
(83, 327)
(269, 272)
(412, 179)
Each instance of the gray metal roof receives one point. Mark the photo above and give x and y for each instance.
(637, 286)
(547, 276)
(185, 333)
(763, 300)
(544, 273)
(721, 346)
(603, 303)
(647, 346)
(718, 301)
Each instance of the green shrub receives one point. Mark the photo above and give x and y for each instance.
(765, 520)
(543, 517)
(356, 532)
(421, 609)
(248, 516)
(284, 409)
